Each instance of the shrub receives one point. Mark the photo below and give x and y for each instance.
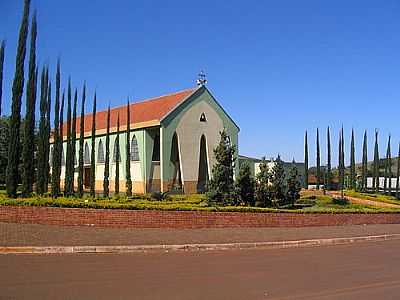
(340, 201)
(159, 196)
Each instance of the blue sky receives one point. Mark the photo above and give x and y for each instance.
(278, 67)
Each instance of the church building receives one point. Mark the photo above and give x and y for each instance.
(172, 138)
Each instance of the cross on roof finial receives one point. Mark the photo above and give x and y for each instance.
(201, 80)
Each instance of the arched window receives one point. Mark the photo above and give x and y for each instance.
(134, 150)
(62, 157)
(156, 148)
(116, 154)
(51, 157)
(203, 118)
(100, 153)
(86, 155)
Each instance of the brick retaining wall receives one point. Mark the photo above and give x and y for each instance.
(182, 219)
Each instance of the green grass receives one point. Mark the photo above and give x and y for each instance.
(307, 204)
(373, 197)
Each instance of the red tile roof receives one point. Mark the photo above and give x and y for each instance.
(153, 109)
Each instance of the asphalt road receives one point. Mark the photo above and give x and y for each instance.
(358, 271)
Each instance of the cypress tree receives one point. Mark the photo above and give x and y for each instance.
(318, 162)
(376, 165)
(68, 189)
(28, 146)
(47, 139)
(128, 152)
(92, 155)
(306, 161)
(41, 163)
(81, 143)
(329, 163)
(73, 143)
(106, 182)
(15, 120)
(117, 159)
(343, 161)
(61, 143)
(2, 50)
(388, 170)
(398, 174)
(352, 162)
(57, 144)
(364, 163)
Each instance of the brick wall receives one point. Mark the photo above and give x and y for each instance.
(181, 219)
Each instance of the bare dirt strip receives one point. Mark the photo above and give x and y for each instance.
(356, 200)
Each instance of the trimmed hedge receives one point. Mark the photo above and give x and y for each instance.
(187, 203)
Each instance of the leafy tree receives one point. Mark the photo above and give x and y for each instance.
(245, 185)
(28, 146)
(352, 162)
(128, 152)
(69, 157)
(15, 121)
(329, 163)
(364, 163)
(263, 190)
(106, 182)
(318, 162)
(2, 50)
(117, 159)
(375, 179)
(221, 185)
(92, 155)
(293, 185)
(81, 143)
(306, 162)
(57, 145)
(41, 164)
(278, 182)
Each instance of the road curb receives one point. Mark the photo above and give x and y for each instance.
(196, 247)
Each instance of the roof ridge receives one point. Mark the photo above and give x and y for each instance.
(165, 95)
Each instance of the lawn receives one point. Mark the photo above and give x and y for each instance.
(310, 202)
(373, 197)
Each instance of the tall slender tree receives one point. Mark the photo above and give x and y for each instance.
(305, 161)
(318, 162)
(387, 188)
(398, 174)
(364, 163)
(61, 145)
(117, 159)
(2, 50)
(343, 161)
(69, 157)
(57, 145)
(81, 143)
(93, 153)
(28, 146)
(47, 139)
(73, 142)
(376, 164)
(329, 162)
(41, 156)
(128, 152)
(352, 162)
(106, 181)
(15, 120)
